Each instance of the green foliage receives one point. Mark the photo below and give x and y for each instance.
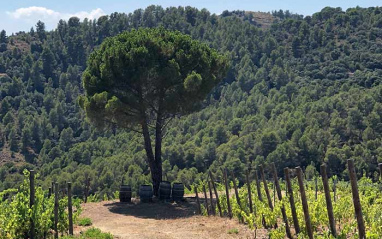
(85, 222)
(150, 70)
(97, 234)
(94, 198)
(314, 97)
(115, 195)
(91, 233)
(145, 77)
(342, 207)
(15, 214)
(233, 231)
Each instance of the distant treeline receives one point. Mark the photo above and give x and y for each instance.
(303, 91)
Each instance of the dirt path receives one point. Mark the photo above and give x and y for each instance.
(162, 221)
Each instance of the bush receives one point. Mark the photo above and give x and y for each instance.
(233, 231)
(97, 234)
(85, 222)
(91, 233)
(15, 214)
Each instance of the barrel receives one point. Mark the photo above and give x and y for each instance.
(146, 193)
(165, 190)
(177, 191)
(125, 193)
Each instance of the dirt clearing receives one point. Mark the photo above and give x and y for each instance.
(162, 220)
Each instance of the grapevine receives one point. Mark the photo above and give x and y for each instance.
(264, 217)
(16, 216)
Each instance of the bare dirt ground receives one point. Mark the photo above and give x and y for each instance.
(6, 156)
(161, 220)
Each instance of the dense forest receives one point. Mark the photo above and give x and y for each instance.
(300, 91)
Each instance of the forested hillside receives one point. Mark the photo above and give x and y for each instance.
(300, 91)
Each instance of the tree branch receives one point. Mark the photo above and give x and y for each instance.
(126, 127)
(169, 120)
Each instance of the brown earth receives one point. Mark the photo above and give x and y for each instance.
(161, 220)
(262, 19)
(6, 156)
(20, 44)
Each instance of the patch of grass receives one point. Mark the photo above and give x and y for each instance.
(233, 231)
(95, 233)
(91, 233)
(85, 222)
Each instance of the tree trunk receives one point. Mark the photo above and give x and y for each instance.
(156, 175)
(155, 161)
(148, 149)
(157, 170)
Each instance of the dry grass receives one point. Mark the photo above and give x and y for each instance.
(20, 44)
(262, 19)
(6, 156)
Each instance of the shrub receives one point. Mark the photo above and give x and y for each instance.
(97, 234)
(85, 222)
(233, 231)
(91, 233)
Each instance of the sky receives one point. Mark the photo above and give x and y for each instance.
(21, 15)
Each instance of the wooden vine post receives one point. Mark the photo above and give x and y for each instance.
(31, 202)
(206, 199)
(291, 201)
(335, 189)
(356, 200)
(260, 196)
(274, 194)
(316, 186)
(227, 194)
(216, 194)
(258, 187)
(304, 203)
(280, 197)
(49, 194)
(241, 219)
(197, 200)
(380, 170)
(64, 189)
(236, 191)
(87, 188)
(70, 209)
(56, 210)
(211, 198)
(266, 187)
(249, 192)
(329, 206)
